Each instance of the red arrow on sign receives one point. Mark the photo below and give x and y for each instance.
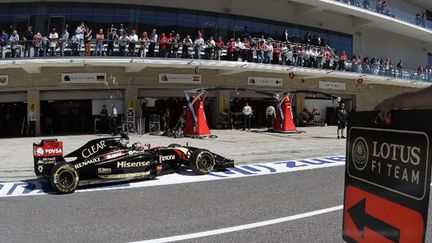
(370, 218)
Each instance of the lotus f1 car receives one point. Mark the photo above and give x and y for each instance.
(113, 159)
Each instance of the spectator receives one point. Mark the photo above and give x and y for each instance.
(284, 36)
(28, 41)
(53, 38)
(187, 42)
(420, 19)
(122, 30)
(112, 38)
(270, 50)
(133, 39)
(144, 39)
(198, 44)
(219, 45)
(4, 39)
(122, 42)
(153, 41)
(260, 51)
(420, 71)
(284, 54)
(87, 41)
(238, 47)
(276, 53)
(231, 49)
(247, 115)
(169, 40)
(99, 43)
(307, 38)
(14, 40)
(37, 43)
(163, 46)
(80, 30)
(74, 44)
(366, 4)
(209, 49)
(64, 41)
(342, 61)
(245, 50)
(176, 41)
(245, 33)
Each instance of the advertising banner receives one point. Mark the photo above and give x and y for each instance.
(83, 78)
(259, 81)
(331, 85)
(179, 78)
(4, 79)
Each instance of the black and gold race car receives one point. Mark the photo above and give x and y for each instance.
(112, 159)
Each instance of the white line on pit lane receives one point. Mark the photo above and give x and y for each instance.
(242, 227)
(38, 187)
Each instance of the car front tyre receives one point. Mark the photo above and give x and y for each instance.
(202, 162)
(64, 178)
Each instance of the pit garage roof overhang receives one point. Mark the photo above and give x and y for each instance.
(132, 65)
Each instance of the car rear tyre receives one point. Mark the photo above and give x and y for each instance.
(64, 178)
(202, 161)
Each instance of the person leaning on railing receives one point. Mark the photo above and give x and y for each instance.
(99, 43)
(14, 41)
(64, 39)
(4, 39)
(87, 41)
(144, 40)
(111, 39)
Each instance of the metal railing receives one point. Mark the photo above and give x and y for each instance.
(289, 56)
(395, 13)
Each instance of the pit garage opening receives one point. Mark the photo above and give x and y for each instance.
(13, 114)
(80, 113)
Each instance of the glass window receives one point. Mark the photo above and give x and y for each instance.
(5, 22)
(60, 8)
(430, 59)
(107, 11)
(23, 9)
(118, 10)
(82, 9)
(259, 28)
(187, 20)
(166, 21)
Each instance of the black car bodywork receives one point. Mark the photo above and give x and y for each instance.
(113, 159)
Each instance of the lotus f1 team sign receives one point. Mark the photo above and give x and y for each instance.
(387, 179)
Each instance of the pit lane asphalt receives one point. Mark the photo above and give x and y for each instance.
(147, 213)
(163, 211)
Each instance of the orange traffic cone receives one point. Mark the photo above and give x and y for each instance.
(285, 122)
(196, 123)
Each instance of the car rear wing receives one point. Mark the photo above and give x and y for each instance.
(45, 154)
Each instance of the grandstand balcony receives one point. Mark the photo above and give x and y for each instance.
(399, 17)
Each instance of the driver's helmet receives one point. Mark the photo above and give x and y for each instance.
(138, 146)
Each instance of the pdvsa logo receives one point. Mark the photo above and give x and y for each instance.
(53, 151)
(360, 153)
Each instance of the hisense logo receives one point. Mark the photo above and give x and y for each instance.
(125, 164)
